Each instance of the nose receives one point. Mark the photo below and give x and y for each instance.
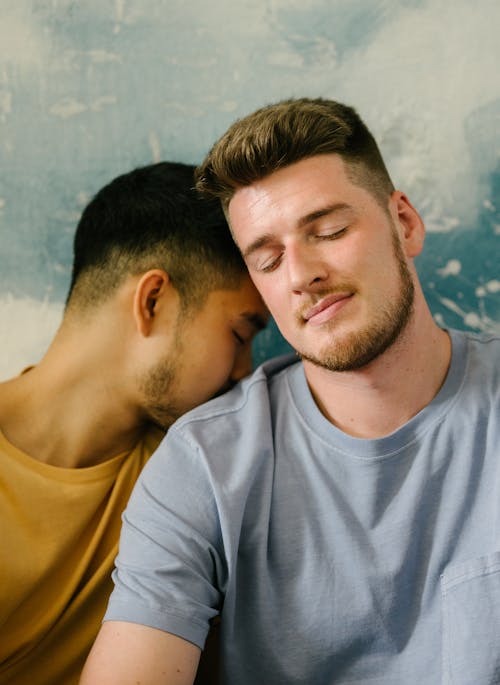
(306, 268)
(242, 363)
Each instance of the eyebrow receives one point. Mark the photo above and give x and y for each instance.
(267, 238)
(320, 213)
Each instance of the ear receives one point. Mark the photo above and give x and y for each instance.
(150, 289)
(410, 224)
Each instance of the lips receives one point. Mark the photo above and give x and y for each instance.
(326, 308)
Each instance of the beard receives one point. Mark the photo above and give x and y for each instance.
(158, 385)
(357, 349)
(156, 388)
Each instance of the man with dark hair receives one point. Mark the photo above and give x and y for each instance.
(352, 534)
(159, 318)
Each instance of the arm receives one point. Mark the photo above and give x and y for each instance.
(129, 653)
(165, 593)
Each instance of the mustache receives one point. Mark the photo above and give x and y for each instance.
(306, 308)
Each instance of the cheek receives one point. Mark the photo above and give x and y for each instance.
(271, 290)
(219, 363)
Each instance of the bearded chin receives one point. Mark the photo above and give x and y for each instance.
(353, 351)
(357, 349)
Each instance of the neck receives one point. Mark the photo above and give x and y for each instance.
(376, 400)
(70, 410)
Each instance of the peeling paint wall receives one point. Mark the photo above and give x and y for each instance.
(91, 89)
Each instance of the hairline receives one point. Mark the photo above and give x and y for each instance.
(78, 304)
(357, 171)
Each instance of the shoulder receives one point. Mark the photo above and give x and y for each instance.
(490, 341)
(213, 456)
(251, 398)
(478, 360)
(228, 437)
(480, 349)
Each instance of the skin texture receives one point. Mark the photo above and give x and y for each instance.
(132, 654)
(209, 351)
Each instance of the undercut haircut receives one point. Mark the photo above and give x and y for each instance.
(281, 134)
(153, 218)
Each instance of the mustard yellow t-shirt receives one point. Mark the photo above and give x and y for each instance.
(59, 531)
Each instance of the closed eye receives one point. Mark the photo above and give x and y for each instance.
(240, 340)
(269, 265)
(331, 236)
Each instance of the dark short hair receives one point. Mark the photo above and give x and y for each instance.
(152, 217)
(278, 135)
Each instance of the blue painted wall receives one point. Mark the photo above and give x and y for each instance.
(93, 88)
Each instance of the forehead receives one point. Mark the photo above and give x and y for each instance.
(292, 193)
(243, 301)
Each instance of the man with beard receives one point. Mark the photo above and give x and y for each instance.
(159, 318)
(351, 533)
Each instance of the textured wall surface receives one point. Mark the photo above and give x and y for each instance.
(93, 88)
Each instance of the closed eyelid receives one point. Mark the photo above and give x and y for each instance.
(330, 233)
(337, 209)
(270, 263)
(263, 257)
(313, 222)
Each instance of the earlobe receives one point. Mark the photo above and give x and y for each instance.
(412, 227)
(149, 290)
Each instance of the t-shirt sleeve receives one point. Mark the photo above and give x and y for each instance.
(170, 568)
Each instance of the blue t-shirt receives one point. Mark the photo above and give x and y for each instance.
(332, 559)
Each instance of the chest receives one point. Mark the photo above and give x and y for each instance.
(342, 563)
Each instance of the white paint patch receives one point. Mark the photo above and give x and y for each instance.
(187, 110)
(101, 102)
(228, 106)
(473, 320)
(449, 304)
(154, 144)
(119, 11)
(407, 82)
(479, 321)
(28, 326)
(448, 223)
(5, 104)
(68, 107)
(67, 216)
(488, 204)
(23, 43)
(452, 268)
(119, 6)
(285, 58)
(103, 56)
(2, 203)
(443, 224)
(491, 288)
(301, 50)
(82, 198)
